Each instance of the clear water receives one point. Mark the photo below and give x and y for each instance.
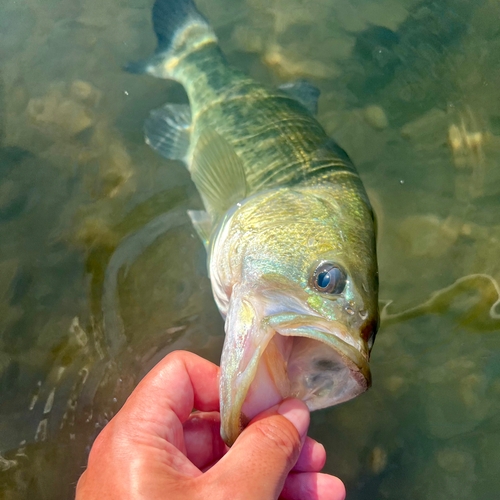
(93, 228)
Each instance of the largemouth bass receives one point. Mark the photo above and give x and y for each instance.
(288, 227)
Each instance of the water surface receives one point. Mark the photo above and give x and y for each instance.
(101, 274)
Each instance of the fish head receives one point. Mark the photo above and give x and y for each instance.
(296, 275)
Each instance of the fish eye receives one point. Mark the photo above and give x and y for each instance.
(329, 278)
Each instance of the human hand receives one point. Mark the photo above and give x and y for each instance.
(156, 448)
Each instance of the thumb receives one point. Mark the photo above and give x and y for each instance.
(263, 455)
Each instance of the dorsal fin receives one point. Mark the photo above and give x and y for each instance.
(218, 173)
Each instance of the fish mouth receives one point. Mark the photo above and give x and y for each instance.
(289, 354)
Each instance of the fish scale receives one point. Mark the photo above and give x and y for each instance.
(280, 141)
(286, 150)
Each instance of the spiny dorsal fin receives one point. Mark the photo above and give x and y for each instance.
(167, 130)
(304, 92)
(202, 223)
(218, 173)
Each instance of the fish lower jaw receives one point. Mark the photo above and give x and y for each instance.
(304, 368)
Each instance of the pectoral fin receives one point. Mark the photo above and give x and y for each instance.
(167, 130)
(202, 223)
(218, 173)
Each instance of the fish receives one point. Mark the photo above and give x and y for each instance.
(288, 227)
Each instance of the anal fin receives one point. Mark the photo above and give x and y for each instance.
(167, 130)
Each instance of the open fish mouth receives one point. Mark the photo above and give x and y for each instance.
(292, 355)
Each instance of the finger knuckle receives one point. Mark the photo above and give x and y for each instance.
(104, 443)
(178, 356)
(281, 437)
(99, 444)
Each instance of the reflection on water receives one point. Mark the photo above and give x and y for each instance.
(101, 273)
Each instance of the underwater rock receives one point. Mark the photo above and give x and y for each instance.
(18, 99)
(408, 66)
(428, 131)
(107, 154)
(8, 193)
(452, 460)
(483, 255)
(77, 333)
(426, 236)
(15, 24)
(378, 460)
(396, 385)
(72, 116)
(349, 16)
(115, 169)
(285, 13)
(467, 149)
(247, 39)
(10, 315)
(387, 13)
(77, 134)
(2, 110)
(8, 270)
(351, 129)
(97, 14)
(289, 66)
(96, 232)
(376, 117)
(58, 116)
(455, 476)
(356, 16)
(290, 40)
(472, 389)
(65, 111)
(485, 19)
(488, 453)
(13, 200)
(85, 93)
(12, 106)
(4, 362)
(459, 397)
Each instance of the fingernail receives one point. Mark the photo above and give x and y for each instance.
(297, 413)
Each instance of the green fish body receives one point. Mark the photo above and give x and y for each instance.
(289, 230)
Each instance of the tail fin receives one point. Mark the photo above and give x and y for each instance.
(180, 30)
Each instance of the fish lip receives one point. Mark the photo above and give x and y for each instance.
(356, 357)
(284, 324)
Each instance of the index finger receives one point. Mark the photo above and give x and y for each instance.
(179, 383)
